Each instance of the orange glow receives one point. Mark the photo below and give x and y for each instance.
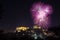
(37, 27)
(22, 28)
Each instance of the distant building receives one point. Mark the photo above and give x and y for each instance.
(22, 28)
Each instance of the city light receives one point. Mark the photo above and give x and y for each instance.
(35, 36)
(22, 28)
(36, 27)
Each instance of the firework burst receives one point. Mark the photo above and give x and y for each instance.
(40, 13)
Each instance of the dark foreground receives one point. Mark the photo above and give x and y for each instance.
(27, 36)
(14, 36)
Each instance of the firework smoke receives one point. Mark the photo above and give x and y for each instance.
(40, 13)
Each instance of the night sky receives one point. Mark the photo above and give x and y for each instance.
(16, 13)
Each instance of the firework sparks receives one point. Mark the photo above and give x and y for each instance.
(40, 14)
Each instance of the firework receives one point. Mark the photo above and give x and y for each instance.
(40, 13)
